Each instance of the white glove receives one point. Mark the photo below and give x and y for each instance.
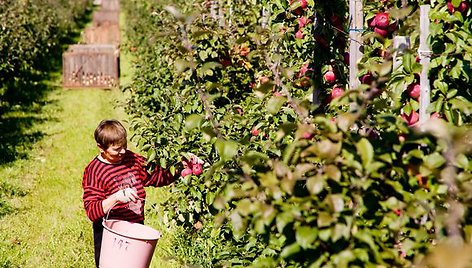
(126, 195)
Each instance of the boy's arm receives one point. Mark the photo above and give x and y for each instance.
(93, 198)
(162, 177)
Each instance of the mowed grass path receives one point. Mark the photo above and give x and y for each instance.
(49, 227)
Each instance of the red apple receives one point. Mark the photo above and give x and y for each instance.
(225, 62)
(186, 172)
(382, 20)
(299, 34)
(346, 58)
(337, 92)
(254, 131)
(330, 77)
(197, 169)
(303, 4)
(308, 135)
(411, 118)
(303, 21)
(367, 79)
(463, 7)
(436, 115)
(450, 7)
(381, 32)
(397, 211)
(371, 22)
(304, 69)
(414, 90)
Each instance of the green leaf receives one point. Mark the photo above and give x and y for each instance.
(333, 172)
(254, 157)
(335, 202)
(434, 161)
(315, 184)
(305, 236)
(282, 220)
(274, 104)
(193, 121)
(226, 149)
(290, 250)
(366, 151)
(182, 65)
(151, 155)
(209, 66)
(407, 61)
(367, 238)
(324, 219)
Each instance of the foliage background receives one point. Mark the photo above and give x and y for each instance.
(295, 177)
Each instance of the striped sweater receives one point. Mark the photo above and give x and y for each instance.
(100, 180)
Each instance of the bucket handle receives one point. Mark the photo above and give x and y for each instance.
(114, 204)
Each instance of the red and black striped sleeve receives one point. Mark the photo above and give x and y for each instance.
(94, 193)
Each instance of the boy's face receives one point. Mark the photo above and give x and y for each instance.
(114, 153)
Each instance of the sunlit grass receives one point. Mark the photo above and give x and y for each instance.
(49, 228)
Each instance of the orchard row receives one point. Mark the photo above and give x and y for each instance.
(301, 170)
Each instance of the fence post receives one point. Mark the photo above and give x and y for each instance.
(356, 26)
(424, 53)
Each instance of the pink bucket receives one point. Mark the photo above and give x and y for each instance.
(126, 244)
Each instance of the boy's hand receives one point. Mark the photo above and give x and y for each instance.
(126, 195)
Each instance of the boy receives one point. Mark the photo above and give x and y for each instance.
(115, 180)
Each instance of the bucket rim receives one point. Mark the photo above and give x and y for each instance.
(128, 236)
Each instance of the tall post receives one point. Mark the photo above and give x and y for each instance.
(425, 57)
(356, 26)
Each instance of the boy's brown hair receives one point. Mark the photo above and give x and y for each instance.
(110, 132)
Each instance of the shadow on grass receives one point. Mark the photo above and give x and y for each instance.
(22, 102)
(22, 111)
